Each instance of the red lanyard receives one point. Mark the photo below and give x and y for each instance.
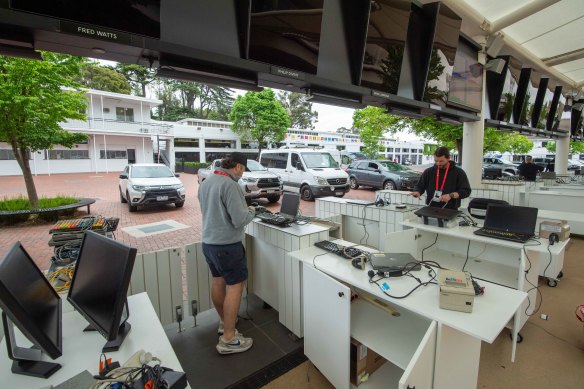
(438, 176)
(221, 173)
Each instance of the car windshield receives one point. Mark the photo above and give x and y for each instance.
(393, 166)
(151, 172)
(254, 166)
(318, 160)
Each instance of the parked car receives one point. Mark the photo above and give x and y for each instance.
(310, 172)
(498, 163)
(150, 183)
(257, 182)
(382, 174)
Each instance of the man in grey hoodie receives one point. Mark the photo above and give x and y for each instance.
(225, 215)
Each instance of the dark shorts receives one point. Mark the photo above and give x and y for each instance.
(227, 261)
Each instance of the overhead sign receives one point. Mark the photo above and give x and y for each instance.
(101, 33)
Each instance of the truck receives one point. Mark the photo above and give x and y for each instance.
(257, 182)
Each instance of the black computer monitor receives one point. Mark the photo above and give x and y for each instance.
(290, 204)
(100, 284)
(29, 301)
(511, 218)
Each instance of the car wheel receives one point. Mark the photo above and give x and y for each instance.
(122, 199)
(273, 198)
(179, 204)
(510, 172)
(306, 193)
(132, 208)
(389, 185)
(353, 182)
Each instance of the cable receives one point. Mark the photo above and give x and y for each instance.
(529, 282)
(431, 281)
(466, 260)
(425, 248)
(366, 234)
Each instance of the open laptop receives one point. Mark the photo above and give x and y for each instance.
(509, 222)
(389, 262)
(288, 211)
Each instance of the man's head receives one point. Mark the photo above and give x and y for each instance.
(235, 162)
(528, 159)
(442, 157)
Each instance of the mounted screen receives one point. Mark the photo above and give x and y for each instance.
(466, 85)
(505, 112)
(286, 33)
(384, 50)
(134, 16)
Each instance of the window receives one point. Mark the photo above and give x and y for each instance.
(125, 114)
(67, 154)
(294, 160)
(372, 166)
(113, 154)
(6, 154)
(362, 165)
(275, 160)
(186, 143)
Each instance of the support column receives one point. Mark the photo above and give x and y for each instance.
(562, 151)
(170, 154)
(472, 151)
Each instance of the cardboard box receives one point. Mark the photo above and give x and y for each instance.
(364, 362)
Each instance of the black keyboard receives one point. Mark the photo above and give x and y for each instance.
(505, 235)
(273, 219)
(340, 250)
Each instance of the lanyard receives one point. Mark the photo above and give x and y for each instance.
(221, 173)
(438, 176)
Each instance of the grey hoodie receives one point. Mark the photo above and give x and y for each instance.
(225, 212)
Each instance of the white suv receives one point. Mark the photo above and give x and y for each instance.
(149, 183)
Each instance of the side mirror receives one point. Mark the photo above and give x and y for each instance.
(299, 166)
(177, 175)
(124, 176)
(377, 170)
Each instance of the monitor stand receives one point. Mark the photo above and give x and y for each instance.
(26, 361)
(123, 331)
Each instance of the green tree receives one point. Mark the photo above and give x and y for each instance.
(258, 116)
(299, 109)
(104, 78)
(372, 123)
(576, 147)
(35, 96)
(138, 76)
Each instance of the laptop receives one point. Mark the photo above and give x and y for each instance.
(437, 213)
(288, 211)
(509, 222)
(389, 262)
(361, 202)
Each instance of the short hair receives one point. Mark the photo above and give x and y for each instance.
(442, 152)
(529, 158)
(228, 163)
(231, 160)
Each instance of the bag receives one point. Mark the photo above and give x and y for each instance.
(478, 206)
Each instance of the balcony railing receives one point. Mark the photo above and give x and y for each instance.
(110, 125)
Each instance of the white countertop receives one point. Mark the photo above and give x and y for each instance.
(295, 229)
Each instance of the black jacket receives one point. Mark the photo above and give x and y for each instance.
(456, 181)
(529, 170)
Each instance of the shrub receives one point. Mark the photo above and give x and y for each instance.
(21, 203)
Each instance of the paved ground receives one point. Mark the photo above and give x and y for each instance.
(104, 188)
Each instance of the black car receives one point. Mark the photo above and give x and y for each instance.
(382, 174)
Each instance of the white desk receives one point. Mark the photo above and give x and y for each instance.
(273, 277)
(557, 200)
(81, 350)
(424, 345)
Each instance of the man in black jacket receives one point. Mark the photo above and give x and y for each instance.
(444, 183)
(528, 170)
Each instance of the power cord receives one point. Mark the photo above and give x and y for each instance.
(529, 282)
(366, 234)
(425, 248)
(431, 272)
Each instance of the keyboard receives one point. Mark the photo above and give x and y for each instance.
(340, 250)
(276, 220)
(505, 235)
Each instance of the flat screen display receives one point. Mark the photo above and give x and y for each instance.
(443, 56)
(466, 84)
(286, 33)
(511, 218)
(541, 120)
(140, 17)
(505, 112)
(384, 49)
(290, 204)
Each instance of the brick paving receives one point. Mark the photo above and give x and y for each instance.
(104, 188)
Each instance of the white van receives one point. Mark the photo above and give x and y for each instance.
(310, 172)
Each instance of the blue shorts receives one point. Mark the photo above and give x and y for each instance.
(227, 261)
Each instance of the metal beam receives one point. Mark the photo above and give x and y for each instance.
(520, 14)
(563, 58)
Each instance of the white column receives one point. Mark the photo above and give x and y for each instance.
(562, 151)
(102, 117)
(202, 156)
(143, 151)
(105, 152)
(92, 118)
(95, 155)
(170, 153)
(47, 153)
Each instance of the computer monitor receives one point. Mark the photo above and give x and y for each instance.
(28, 301)
(511, 218)
(100, 285)
(290, 204)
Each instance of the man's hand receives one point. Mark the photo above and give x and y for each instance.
(446, 198)
(415, 194)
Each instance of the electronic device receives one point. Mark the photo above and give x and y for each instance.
(559, 227)
(359, 262)
(509, 222)
(28, 301)
(435, 216)
(401, 206)
(361, 202)
(388, 262)
(340, 250)
(288, 211)
(477, 207)
(100, 285)
(456, 290)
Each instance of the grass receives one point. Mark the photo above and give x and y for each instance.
(22, 203)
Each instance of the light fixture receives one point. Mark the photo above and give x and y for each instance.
(495, 65)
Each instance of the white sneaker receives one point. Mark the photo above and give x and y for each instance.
(238, 344)
(221, 329)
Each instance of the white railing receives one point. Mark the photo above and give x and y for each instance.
(109, 125)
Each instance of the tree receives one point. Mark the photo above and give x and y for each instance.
(35, 96)
(576, 147)
(372, 123)
(299, 109)
(260, 117)
(138, 76)
(104, 78)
